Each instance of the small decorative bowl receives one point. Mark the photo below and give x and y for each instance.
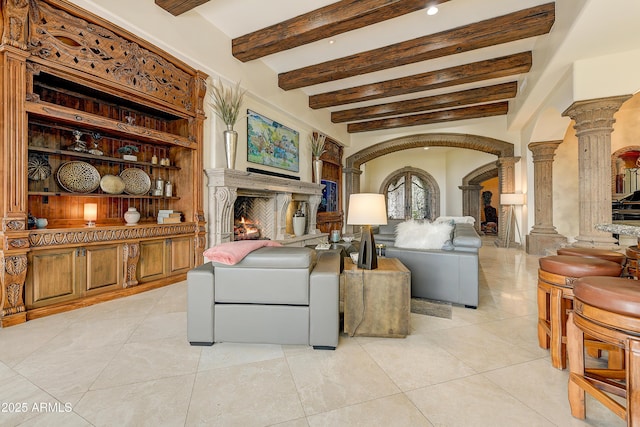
(347, 239)
(354, 257)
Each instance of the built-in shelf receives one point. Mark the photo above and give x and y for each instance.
(96, 157)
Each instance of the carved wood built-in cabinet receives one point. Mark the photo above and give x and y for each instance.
(75, 90)
(330, 214)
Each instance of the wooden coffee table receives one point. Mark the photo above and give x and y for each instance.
(377, 303)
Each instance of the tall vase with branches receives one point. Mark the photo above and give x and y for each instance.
(317, 149)
(226, 103)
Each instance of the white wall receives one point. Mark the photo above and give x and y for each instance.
(195, 41)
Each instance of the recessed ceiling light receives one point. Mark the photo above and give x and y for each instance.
(432, 10)
(426, 148)
(332, 41)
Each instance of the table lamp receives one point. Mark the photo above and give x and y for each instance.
(367, 209)
(91, 214)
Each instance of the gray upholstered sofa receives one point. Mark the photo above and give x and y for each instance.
(276, 295)
(440, 274)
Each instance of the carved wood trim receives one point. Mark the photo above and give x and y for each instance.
(13, 275)
(59, 237)
(131, 255)
(57, 36)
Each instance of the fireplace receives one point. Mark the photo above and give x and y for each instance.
(267, 202)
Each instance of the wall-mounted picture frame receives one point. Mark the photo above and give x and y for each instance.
(270, 143)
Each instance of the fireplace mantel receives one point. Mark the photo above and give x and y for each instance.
(225, 185)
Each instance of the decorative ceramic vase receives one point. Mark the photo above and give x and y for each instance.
(132, 216)
(299, 223)
(41, 222)
(317, 170)
(230, 145)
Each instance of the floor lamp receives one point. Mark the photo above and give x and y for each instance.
(367, 209)
(512, 200)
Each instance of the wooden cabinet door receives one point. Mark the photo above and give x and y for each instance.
(52, 277)
(104, 267)
(153, 262)
(180, 255)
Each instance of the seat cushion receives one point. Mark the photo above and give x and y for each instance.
(594, 253)
(573, 266)
(614, 294)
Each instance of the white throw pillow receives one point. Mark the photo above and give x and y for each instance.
(422, 235)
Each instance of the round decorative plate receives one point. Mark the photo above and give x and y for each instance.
(38, 168)
(78, 177)
(136, 181)
(112, 184)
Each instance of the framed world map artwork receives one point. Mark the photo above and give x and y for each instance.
(270, 143)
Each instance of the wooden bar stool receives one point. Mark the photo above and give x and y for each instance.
(556, 276)
(607, 309)
(633, 254)
(604, 254)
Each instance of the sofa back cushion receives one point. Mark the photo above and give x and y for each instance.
(270, 275)
(423, 235)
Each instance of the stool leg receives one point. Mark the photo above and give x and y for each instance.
(558, 348)
(575, 350)
(543, 318)
(633, 383)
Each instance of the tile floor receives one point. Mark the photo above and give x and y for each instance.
(127, 363)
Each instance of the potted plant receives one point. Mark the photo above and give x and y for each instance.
(317, 149)
(226, 103)
(127, 152)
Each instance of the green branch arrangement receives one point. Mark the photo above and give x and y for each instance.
(226, 102)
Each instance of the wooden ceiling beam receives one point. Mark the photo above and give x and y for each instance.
(477, 71)
(474, 112)
(178, 7)
(519, 25)
(447, 100)
(328, 21)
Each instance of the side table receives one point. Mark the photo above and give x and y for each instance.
(377, 303)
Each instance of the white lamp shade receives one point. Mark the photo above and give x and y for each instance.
(90, 211)
(512, 199)
(367, 209)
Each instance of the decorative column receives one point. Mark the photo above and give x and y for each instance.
(543, 235)
(14, 236)
(471, 202)
(594, 124)
(507, 183)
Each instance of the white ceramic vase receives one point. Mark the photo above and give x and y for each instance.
(299, 223)
(132, 216)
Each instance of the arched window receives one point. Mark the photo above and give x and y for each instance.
(411, 193)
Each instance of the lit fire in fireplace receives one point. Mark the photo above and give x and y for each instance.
(245, 230)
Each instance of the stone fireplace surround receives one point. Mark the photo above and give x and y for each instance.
(275, 195)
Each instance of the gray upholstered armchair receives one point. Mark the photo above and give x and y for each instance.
(276, 295)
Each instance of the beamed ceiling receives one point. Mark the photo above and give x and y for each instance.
(384, 64)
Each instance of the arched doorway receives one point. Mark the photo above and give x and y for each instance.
(411, 193)
(501, 149)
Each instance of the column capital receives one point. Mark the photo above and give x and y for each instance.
(507, 161)
(544, 150)
(594, 114)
